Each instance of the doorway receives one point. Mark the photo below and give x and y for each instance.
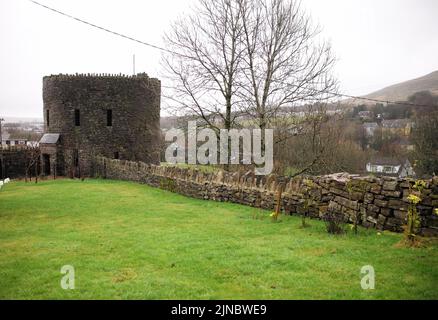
(46, 163)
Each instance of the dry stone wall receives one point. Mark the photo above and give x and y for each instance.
(378, 202)
(12, 164)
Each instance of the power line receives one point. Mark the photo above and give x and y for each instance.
(377, 100)
(179, 54)
(105, 29)
(340, 95)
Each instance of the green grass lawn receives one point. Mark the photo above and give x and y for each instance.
(130, 241)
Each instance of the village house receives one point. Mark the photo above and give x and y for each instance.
(13, 142)
(365, 115)
(370, 128)
(390, 167)
(402, 127)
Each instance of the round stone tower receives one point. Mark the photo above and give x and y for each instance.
(85, 116)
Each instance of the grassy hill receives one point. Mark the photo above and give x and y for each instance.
(402, 91)
(130, 241)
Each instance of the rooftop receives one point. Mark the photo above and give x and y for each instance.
(50, 138)
(383, 161)
(398, 123)
(370, 125)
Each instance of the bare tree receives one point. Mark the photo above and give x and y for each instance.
(425, 140)
(242, 63)
(322, 147)
(285, 67)
(33, 155)
(205, 64)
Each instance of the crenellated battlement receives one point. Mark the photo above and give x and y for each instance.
(103, 76)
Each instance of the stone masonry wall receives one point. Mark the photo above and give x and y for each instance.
(134, 103)
(379, 202)
(13, 163)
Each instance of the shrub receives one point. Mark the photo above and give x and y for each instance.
(335, 222)
(413, 219)
(167, 184)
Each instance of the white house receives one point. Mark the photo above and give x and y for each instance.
(390, 167)
(370, 128)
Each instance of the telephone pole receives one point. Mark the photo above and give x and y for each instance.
(133, 64)
(1, 137)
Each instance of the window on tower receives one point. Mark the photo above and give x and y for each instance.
(109, 118)
(77, 117)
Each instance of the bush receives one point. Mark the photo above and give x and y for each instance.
(335, 222)
(167, 184)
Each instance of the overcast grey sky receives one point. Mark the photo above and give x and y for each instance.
(377, 42)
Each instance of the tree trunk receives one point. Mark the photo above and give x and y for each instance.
(36, 173)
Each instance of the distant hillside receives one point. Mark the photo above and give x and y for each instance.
(402, 91)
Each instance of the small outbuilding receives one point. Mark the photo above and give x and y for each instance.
(51, 155)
